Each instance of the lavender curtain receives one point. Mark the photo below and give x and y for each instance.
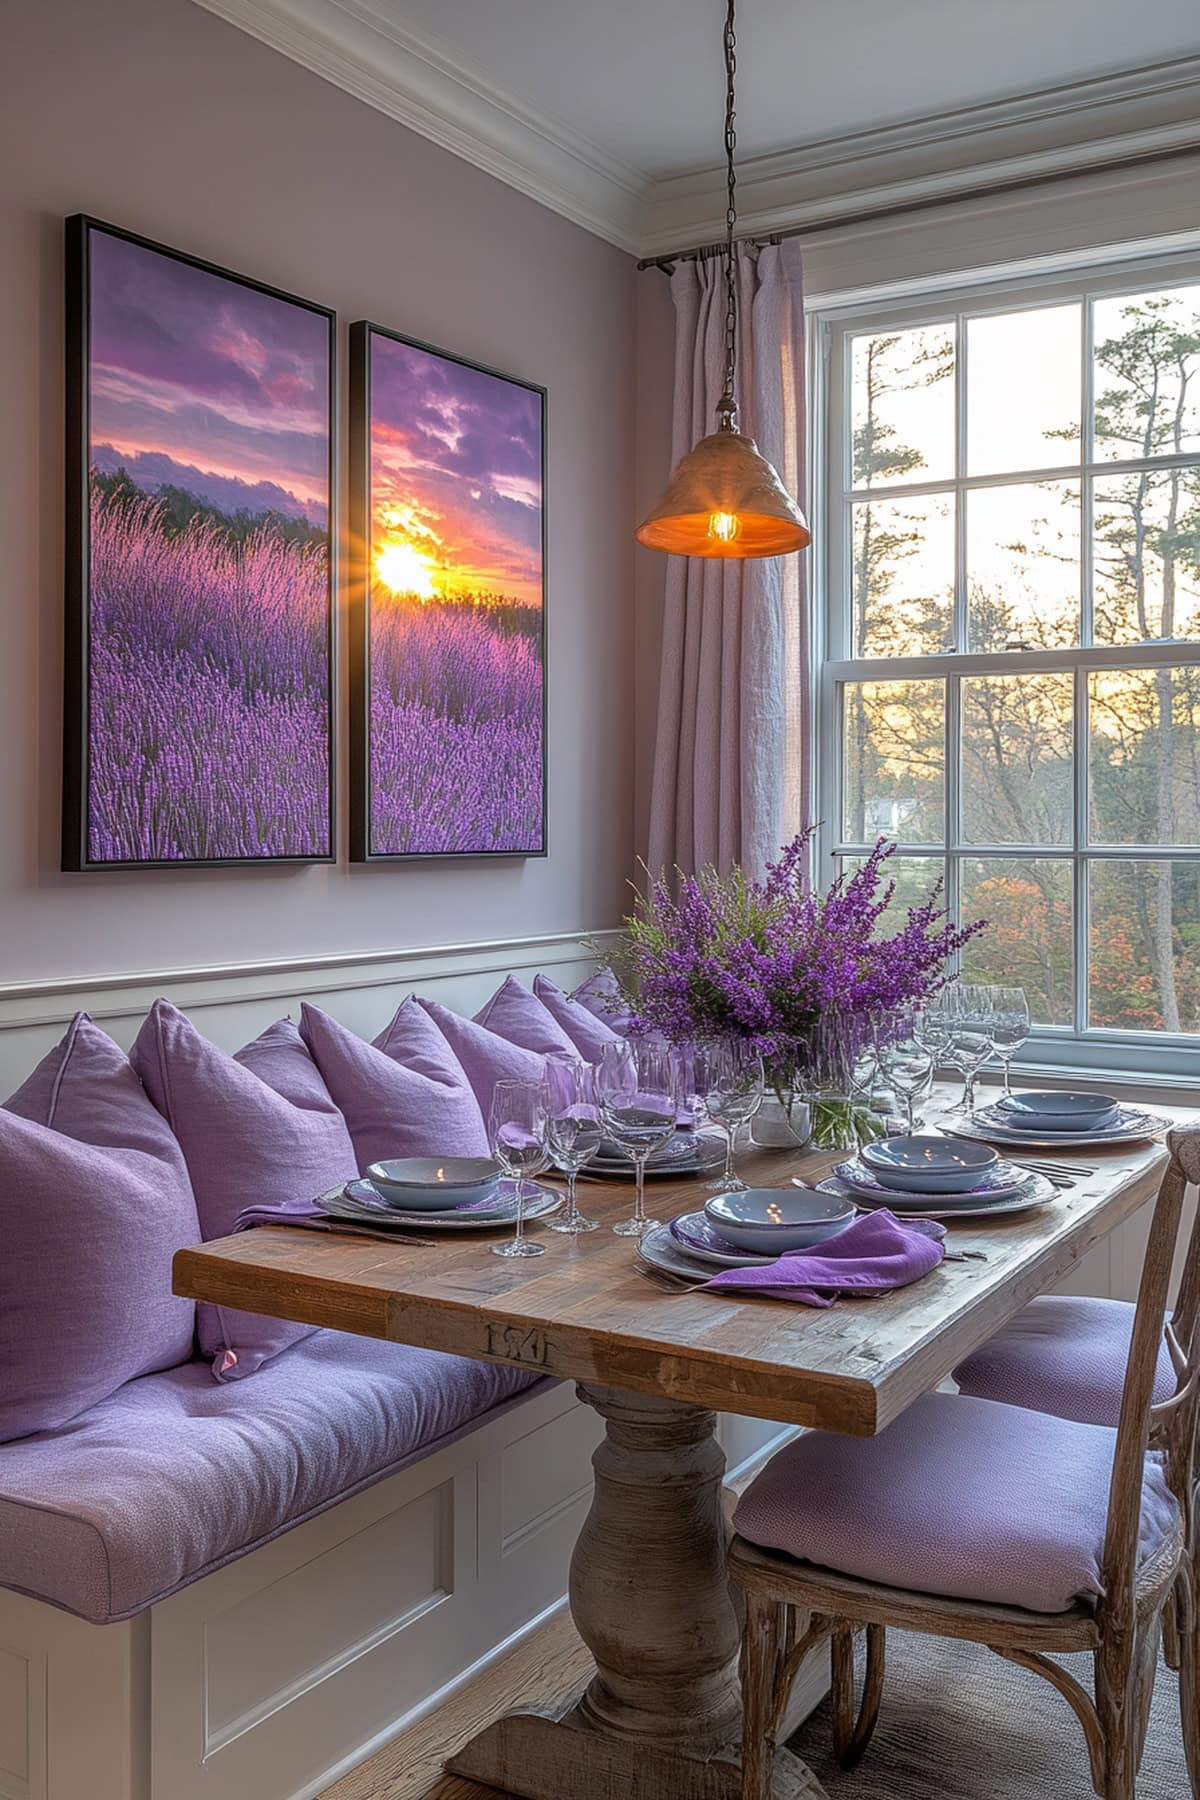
(731, 750)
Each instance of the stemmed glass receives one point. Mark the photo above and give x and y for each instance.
(729, 1080)
(637, 1087)
(968, 1006)
(517, 1128)
(574, 1130)
(907, 1062)
(1010, 1027)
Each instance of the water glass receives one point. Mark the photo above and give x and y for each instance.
(518, 1130)
(968, 1007)
(637, 1088)
(1010, 1027)
(574, 1130)
(907, 1061)
(729, 1080)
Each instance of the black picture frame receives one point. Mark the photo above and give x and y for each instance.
(358, 577)
(81, 229)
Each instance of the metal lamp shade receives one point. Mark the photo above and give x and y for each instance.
(724, 499)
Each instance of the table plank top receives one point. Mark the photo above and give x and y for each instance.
(583, 1312)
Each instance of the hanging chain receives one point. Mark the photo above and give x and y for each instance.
(727, 404)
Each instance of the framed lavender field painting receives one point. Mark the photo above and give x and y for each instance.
(448, 707)
(199, 648)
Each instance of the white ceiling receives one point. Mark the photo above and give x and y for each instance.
(643, 79)
(610, 111)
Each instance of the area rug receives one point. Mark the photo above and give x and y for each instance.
(958, 1723)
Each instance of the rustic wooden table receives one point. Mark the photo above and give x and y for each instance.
(648, 1590)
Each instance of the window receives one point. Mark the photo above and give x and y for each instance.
(1011, 684)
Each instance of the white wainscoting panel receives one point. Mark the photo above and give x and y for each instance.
(233, 1003)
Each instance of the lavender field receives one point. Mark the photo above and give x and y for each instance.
(456, 724)
(208, 719)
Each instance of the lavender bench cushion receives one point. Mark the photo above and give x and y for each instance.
(175, 1474)
(1062, 1355)
(960, 1496)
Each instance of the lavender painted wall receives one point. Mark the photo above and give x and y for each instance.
(157, 116)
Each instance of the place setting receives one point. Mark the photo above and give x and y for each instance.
(937, 1177)
(1056, 1120)
(793, 1243)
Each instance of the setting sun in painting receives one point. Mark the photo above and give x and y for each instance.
(454, 708)
(403, 569)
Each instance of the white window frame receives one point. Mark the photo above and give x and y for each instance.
(1161, 1057)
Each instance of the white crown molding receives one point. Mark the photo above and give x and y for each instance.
(1063, 130)
(350, 44)
(1056, 131)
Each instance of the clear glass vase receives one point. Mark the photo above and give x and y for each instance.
(829, 1081)
(783, 1121)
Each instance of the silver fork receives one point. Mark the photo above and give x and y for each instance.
(1071, 1172)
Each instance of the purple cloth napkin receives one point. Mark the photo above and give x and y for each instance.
(278, 1212)
(872, 1256)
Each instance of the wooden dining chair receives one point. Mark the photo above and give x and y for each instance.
(1068, 1355)
(970, 1519)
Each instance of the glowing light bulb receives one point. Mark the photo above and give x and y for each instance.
(723, 525)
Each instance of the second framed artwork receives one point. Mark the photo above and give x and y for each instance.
(448, 664)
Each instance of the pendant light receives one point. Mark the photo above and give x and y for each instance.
(724, 498)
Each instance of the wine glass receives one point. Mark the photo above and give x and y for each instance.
(637, 1087)
(907, 1062)
(574, 1130)
(517, 1128)
(1010, 1028)
(969, 1009)
(729, 1080)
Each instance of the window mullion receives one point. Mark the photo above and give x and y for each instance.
(1079, 885)
(953, 794)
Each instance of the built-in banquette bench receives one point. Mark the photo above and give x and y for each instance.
(233, 1578)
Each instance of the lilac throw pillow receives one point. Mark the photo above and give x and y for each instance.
(587, 1030)
(601, 996)
(94, 1203)
(485, 1056)
(515, 1013)
(404, 1095)
(257, 1127)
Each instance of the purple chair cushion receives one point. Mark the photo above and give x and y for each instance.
(260, 1126)
(175, 1475)
(587, 1030)
(409, 1098)
(961, 1497)
(94, 1203)
(1062, 1355)
(485, 1055)
(513, 1012)
(600, 995)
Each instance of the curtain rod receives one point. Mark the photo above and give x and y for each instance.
(873, 215)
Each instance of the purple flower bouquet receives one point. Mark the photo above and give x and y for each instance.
(768, 961)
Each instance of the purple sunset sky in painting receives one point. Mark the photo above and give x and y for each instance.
(200, 381)
(456, 467)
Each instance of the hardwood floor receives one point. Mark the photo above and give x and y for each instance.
(550, 1665)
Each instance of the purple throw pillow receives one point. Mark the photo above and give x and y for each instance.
(513, 1012)
(94, 1203)
(587, 1031)
(486, 1056)
(259, 1127)
(404, 1095)
(601, 996)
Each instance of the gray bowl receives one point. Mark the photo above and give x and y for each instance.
(771, 1221)
(928, 1165)
(434, 1183)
